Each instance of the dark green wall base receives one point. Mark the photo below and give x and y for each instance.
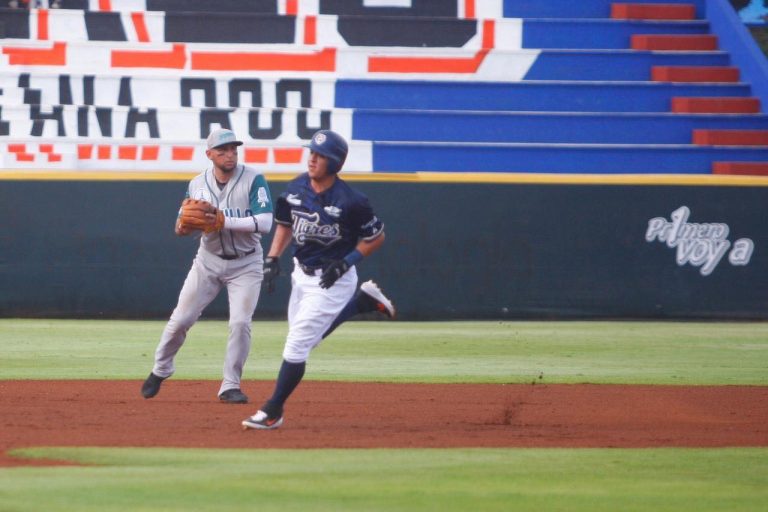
(453, 251)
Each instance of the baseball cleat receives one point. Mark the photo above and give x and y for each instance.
(233, 396)
(383, 304)
(262, 421)
(151, 386)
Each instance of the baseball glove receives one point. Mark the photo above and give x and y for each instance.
(201, 215)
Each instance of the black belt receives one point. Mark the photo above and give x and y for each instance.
(310, 271)
(235, 256)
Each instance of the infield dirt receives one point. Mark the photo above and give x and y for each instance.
(365, 415)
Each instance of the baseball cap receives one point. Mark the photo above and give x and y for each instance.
(222, 136)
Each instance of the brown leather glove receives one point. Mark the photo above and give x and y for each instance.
(197, 214)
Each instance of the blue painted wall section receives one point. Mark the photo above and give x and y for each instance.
(736, 39)
(577, 9)
(524, 96)
(599, 33)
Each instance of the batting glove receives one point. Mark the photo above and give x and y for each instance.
(333, 272)
(271, 271)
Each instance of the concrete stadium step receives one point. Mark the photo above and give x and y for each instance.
(160, 155)
(232, 27)
(122, 89)
(252, 61)
(539, 127)
(177, 125)
(716, 105)
(219, 91)
(555, 96)
(348, 62)
(646, 11)
(184, 124)
(578, 9)
(311, 30)
(665, 42)
(628, 65)
(557, 158)
(695, 74)
(308, 30)
(601, 33)
(741, 168)
(745, 137)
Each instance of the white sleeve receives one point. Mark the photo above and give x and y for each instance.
(261, 222)
(264, 221)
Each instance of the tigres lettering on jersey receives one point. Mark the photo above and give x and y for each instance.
(325, 226)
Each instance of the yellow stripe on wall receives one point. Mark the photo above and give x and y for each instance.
(418, 177)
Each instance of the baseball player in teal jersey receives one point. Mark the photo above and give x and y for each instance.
(332, 228)
(229, 257)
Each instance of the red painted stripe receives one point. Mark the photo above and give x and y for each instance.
(469, 9)
(730, 137)
(84, 151)
(741, 168)
(716, 105)
(127, 152)
(288, 155)
(310, 30)
(175, 58)
(182, 153)
(141, 27)
(426, 64)
(674, 42)
(103, 152)
(46, 148)
(291, 7)
(489, 34)
(20, 152)
(150, 152)
(42, 24)
(257, 155)
(322, 60)
(105, 5)
(639, 11)
(694, 74)
(54, 56)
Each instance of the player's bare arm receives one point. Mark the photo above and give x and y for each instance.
(280, 241)
(368, 247)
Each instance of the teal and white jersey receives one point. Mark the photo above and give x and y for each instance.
(246, 194)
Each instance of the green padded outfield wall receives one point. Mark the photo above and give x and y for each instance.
(453, 251)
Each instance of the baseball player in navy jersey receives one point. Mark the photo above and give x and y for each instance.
(228, 257)
(332, 228)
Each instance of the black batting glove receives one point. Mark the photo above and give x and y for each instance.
(333, 272)
(271, 271)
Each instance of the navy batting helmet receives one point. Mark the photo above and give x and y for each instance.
(332, 146)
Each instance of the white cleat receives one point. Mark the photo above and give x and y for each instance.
(384, 304)
(262, 421)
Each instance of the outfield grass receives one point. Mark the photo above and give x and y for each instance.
(580, 480)
(393, 480)
(494, 352)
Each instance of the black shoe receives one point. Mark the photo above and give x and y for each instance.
(233, 396)
(151, 386)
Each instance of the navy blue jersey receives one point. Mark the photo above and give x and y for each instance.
(325, 226)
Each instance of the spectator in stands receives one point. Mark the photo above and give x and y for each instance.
(34, 4)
